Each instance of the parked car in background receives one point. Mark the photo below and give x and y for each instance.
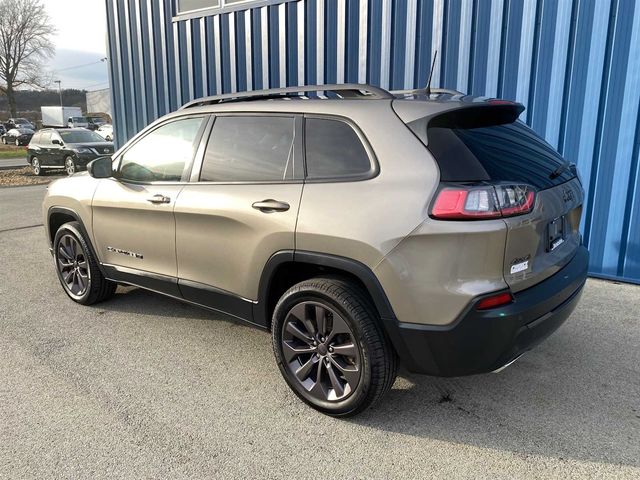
(2, 129)
(19, 123)
(95, 122)
(78, 122)
(57, 116)
(106, 132)
(17, 136)
(70, 149)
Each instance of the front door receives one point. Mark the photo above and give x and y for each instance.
(239, 209)
(133, 220)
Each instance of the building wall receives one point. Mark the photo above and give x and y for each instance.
(575, 65)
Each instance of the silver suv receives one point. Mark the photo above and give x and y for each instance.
(362, 227)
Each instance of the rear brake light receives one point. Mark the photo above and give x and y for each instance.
(494, 301)
(461, 202)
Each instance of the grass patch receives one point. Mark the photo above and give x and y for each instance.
(17, 153)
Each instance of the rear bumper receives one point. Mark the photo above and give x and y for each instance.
(483, 341)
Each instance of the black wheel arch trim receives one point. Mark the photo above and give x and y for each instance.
(351, 266)
(83, 230)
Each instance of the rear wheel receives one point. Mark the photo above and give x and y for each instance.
(35, 164)
(330, 348)
(77, 268)
(69, 165)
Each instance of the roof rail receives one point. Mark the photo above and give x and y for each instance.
(347, 90)
(423, 91)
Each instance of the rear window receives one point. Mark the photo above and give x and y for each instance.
(509, 152)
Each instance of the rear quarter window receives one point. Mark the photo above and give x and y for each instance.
(333, 150)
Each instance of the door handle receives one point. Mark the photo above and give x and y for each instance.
(270, 206)
(159, 198)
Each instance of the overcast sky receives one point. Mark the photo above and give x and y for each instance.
(80, 40)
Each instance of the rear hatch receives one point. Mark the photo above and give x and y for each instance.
(538, 195)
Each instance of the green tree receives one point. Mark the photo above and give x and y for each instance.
(25, 44)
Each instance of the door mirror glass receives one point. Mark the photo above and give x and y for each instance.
(56, 141)
(100, 167)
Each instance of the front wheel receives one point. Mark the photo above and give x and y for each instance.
(69, 165)
(330, 347)
(35, 164)
(77, 268)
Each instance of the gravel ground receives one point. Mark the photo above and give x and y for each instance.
(17, 177)
(143, 386)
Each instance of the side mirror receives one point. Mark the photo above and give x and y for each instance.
(100, 167)
(55, 141)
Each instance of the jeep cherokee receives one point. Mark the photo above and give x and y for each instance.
(361, 227)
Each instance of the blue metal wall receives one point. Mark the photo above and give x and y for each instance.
(575, 65)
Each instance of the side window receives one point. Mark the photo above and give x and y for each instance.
(249, 149)
(333, 150)
(163, 153)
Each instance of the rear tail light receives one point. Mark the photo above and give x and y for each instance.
(462, 202)
(494, 301)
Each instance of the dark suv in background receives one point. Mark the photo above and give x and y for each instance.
(68, 148)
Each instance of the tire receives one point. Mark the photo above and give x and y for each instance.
(35, 164)
(362, 359)
(74, 259)
(70, 165)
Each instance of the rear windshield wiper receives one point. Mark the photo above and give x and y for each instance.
(558, 171)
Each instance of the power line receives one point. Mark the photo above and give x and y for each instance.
(102, 60)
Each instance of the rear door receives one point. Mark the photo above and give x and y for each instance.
(240, 208)
(542, 241)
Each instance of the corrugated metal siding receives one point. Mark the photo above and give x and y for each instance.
(574, 64)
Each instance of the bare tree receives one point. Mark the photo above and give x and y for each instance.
(25, 44)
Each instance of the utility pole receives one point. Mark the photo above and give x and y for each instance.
(59, 89)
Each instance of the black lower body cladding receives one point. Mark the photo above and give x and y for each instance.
(483, 341)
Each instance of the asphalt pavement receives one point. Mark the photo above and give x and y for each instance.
(9, 163)
(143, 386)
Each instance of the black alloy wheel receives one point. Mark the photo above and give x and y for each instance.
(77, 268)
(72, 266)
(330, 347)
(320, 351)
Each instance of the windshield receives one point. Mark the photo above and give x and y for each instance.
(79, 119)
(22, 120)
(24, 130)
(80, 137)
